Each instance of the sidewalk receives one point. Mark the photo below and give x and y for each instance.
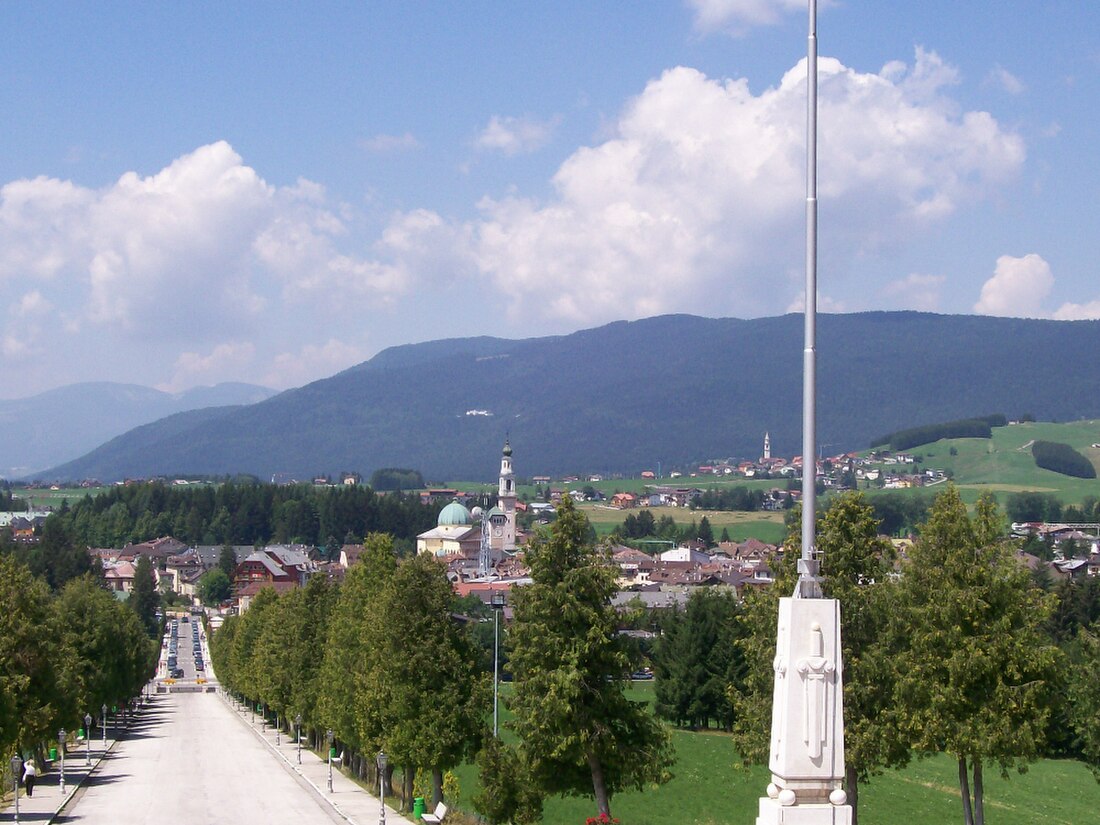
(348, 799)
(48, 800)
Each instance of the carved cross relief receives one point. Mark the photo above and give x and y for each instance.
(816, 672)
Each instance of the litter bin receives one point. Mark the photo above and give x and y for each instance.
(53, 754)
(418, 807)
(332, 754)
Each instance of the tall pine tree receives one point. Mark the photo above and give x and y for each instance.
(579, 731)
(973, 662)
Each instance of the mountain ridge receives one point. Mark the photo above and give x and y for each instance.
(42, 430)
(623, 396)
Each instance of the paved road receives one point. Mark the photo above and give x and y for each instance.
(189, 760)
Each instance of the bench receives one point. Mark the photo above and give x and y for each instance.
(436, 816)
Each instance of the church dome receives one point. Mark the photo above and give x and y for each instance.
(507, 448)
(453, 513)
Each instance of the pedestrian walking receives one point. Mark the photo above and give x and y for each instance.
(30, 775)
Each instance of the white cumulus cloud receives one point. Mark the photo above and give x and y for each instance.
(515, 135)
(201, 244)
(1078, 312)
(1001, 78)
(696, 204)
(292, 369)
(1017, 289)
(224, 362)
(201, 249)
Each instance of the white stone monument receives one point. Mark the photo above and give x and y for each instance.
(807, 744)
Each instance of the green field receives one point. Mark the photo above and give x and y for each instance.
(708, 788)
(767, 527)
(42, 499)
(1003, 464)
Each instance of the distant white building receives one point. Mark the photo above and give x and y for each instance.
(685, 554)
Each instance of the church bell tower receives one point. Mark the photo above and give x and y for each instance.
(504, 533)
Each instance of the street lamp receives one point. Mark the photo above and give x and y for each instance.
(328, 738)
(61, 748)
(383, 760)
(103, 725)
(298, 730)
(88, 739)
(16, 764)
(496, 601)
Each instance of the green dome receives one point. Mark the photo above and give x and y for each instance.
(453, 513)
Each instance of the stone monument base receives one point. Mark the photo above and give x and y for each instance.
(773, 813)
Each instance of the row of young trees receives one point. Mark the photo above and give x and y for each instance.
(1035, 506)
(64, 654)
(645, 525)
(380, 660)
(955, 655)
(980, 427)
(377, 659)
(244, 513)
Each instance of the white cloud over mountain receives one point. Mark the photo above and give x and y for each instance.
(201, 251)
(694, 204)
(1018, 287)
(915, 291)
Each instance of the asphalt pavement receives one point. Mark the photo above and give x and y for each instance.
(349, 799)
(194, 757)
(81, 761)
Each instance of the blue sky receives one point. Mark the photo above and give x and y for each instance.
(199, 193)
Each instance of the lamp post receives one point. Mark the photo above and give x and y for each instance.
(16, 764)
(278, 731)
(298, 731)
(383, 760)
(496, 601)
(88, 739)
(103, 725)
(328, 739)
(61, 747)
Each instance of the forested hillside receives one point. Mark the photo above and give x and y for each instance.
(620, 398)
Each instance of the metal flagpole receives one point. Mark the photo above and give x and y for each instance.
(809, 585)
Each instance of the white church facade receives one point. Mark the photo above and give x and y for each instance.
(457, 532)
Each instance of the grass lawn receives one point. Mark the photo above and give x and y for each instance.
(765, 526)
(41, 499)
(1004, 464)
(708, 788)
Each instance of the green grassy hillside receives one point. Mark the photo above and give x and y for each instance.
(1004, 464)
